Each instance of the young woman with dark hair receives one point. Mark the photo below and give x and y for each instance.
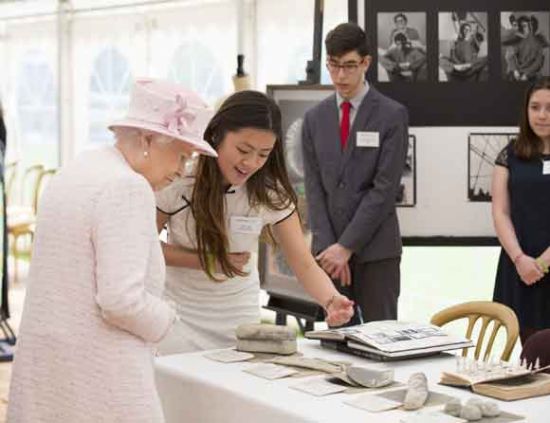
(215, 217)
(521, 214)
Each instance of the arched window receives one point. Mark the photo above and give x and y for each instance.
(109, 93)
(195, 67)
(37, 110)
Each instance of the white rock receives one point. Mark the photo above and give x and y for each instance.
(470, 413)
(475, 402)
(417, 392)
(266, 346)
(453, 407)
(490, 409)
(263, 331)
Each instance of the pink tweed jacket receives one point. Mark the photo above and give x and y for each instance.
(93, 304)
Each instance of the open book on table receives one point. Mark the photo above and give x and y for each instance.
(503, 383)
(393, 339)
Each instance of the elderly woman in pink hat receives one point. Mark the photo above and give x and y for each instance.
(93, 309)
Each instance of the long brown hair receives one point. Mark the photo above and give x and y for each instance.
(528, 145)
(269, 186)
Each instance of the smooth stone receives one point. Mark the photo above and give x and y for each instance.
(470, 413)
(265, 331)
(267, 346)
(417, 392)
(453, 407)
(490, 409)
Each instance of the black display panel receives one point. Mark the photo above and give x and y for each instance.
(479, 56)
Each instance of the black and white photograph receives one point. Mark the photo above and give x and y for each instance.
(407, 190)
(292, 112)
(525, 45)
(483, 149)
(402, 54)
(293, 102)
(463, 47)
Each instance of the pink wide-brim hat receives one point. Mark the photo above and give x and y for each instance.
(168, 109)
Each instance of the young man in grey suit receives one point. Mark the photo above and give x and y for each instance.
(354, 148)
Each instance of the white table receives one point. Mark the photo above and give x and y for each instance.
(195, 389)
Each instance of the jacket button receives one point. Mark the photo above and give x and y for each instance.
(342, 184)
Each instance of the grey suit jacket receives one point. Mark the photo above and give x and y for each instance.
(351, 194)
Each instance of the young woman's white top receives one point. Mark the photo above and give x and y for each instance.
(210, 311)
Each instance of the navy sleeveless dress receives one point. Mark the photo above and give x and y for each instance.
(529, 193)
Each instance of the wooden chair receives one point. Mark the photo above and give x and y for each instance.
(22, 218)
(24, 203)
(10, 175)
(488, 312)
(42, 183)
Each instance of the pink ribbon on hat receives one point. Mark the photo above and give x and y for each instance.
(180, 118)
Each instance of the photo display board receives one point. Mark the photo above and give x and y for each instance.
(446, 184)
(445, 187)
(458, 62)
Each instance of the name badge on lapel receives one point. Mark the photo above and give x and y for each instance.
(246, 225)
(368, 139)
(546, 167)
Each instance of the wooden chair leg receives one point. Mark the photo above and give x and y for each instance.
(15, 253)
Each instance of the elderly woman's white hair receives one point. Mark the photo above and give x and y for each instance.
(125, 134)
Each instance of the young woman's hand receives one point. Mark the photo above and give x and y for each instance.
(239, 260)
(528, 270)
(339, 311)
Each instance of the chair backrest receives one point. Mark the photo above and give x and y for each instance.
(10, 175)
(488, 312)
(29, 186)
(43, 180)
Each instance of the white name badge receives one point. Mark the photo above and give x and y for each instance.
(246, 225)
(546, 167)
(368, 139)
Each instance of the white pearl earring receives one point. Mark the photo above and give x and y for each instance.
(146, 154)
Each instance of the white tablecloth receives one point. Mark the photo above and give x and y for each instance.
(195, 389)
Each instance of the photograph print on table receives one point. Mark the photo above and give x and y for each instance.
(483, 149)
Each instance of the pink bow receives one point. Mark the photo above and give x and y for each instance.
(180, 118)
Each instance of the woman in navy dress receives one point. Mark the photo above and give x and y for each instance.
(521, 214)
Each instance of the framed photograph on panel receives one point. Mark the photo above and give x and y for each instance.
(463, 46)
(525, 45)
(407, 189)
(275, 275)
(483, 149)
(294, 101)
(402, 47)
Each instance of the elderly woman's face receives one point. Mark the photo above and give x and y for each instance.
(165, 160)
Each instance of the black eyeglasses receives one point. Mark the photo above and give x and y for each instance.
(348, 67)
